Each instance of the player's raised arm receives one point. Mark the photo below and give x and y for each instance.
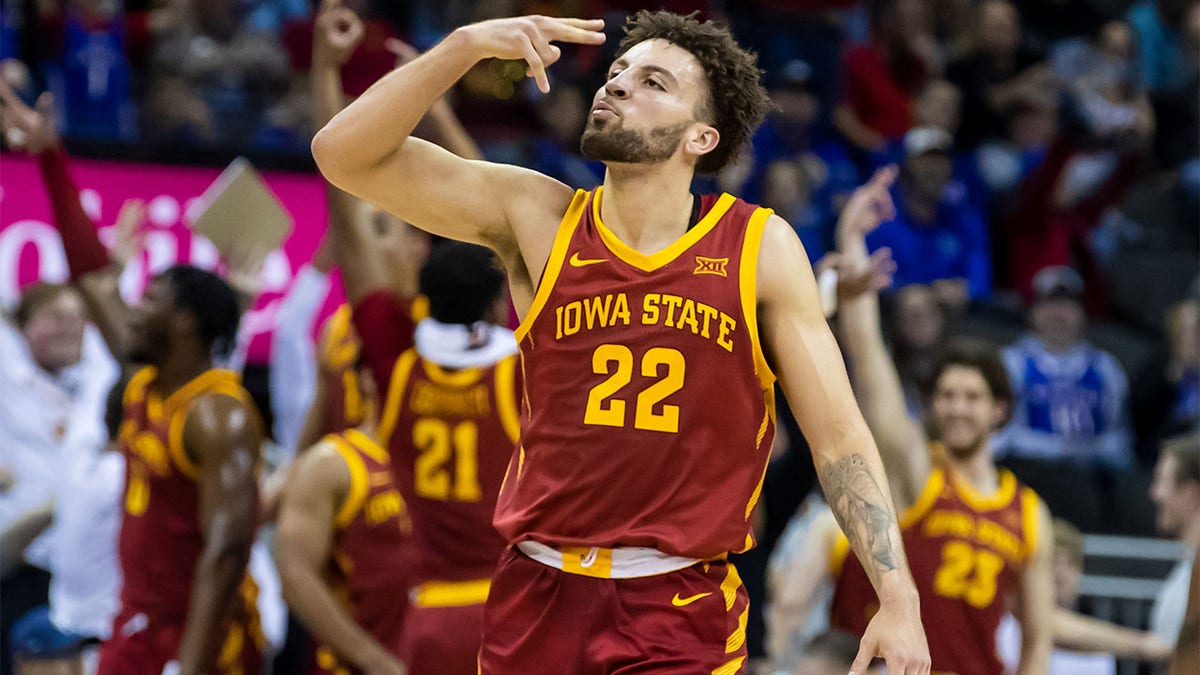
(92, 271)
(901, 441)
(805, 357)
(222, 435)
(367, 149)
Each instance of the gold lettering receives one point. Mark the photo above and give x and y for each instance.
(650, 309)
(727, 326)
(597, 313)
(573, 317)
(671, 301)
(620, 310)
(709, 313)
(688, 316)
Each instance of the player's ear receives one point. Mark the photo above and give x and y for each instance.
(1000, 413)
(184, 323)
(701, 139)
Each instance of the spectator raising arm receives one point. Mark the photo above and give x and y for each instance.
(32, 130)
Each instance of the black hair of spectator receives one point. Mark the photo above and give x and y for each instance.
(35, 297)
(736, 101)
(211, 300)
(1186, 451)
(835, 645)
(461, 281)
(981, 356)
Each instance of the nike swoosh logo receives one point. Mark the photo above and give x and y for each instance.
(576, 261)
(684, 602)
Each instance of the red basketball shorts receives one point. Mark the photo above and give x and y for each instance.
(540, 619)
(443, 640)
(139, 646)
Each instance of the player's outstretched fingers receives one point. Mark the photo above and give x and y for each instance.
(537, 68)
(580, 31)
(867, 649)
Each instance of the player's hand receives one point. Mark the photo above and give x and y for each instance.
(25, 128)
(338, 32)
(855, 277)
(384, 664)
(528, 38)
(130, 231)
(869, 205)
(896, 635)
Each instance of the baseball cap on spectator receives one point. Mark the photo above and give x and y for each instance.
(1057, 282)
(927, 139)
(796, 74)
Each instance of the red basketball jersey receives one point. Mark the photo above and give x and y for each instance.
(345, 408)
(450, 435)
(160, 540)
(649, 407)
(371, 562)
(967, 552)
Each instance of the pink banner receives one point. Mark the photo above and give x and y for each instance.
(30, 248)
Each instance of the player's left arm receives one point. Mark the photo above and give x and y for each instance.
(805, 357)
(1035, 601)
(222, 435)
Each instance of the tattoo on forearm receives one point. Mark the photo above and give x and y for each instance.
(863, 512)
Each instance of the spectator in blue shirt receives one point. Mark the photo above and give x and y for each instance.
(937, 237)
(1071, 398)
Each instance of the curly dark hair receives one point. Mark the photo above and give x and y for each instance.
(736, 102)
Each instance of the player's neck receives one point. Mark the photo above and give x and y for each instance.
(978, 470)
(647, 206)
(179, 368)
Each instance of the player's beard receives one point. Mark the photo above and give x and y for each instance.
(630, 146)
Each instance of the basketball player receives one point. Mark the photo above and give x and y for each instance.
(342, 548)
(975, 537)
(190, 437)
(648, 407)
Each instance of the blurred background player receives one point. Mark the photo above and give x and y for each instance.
(191, 437)
(450, 418)
(975, 537)
(1176, 494)
(343, 551)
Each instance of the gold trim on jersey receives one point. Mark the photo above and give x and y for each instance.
(558, 256)
(748, 279)
(339, 349)
(837, 554)
(135, 390)
(732, 667)
(506, 397)
(367, 445)
(925, 501)
(998, 499)
(451, 593)
(453, 378)
(652, 261)
(360, 483)
(178, 405)
(395, 396)
(1031, 520)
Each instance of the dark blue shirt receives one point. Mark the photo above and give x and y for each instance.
(953, 246)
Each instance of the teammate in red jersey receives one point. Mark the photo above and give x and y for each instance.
(343, 550)
(191, 438)
(975, 537)
(647, 390)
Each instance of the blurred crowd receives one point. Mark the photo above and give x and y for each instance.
(1048, 196)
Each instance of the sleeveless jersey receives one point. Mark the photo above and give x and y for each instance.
(966, 552)
(160, 540)
(450, 435)
(340, 350)
(649, 410)
(371, 560)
